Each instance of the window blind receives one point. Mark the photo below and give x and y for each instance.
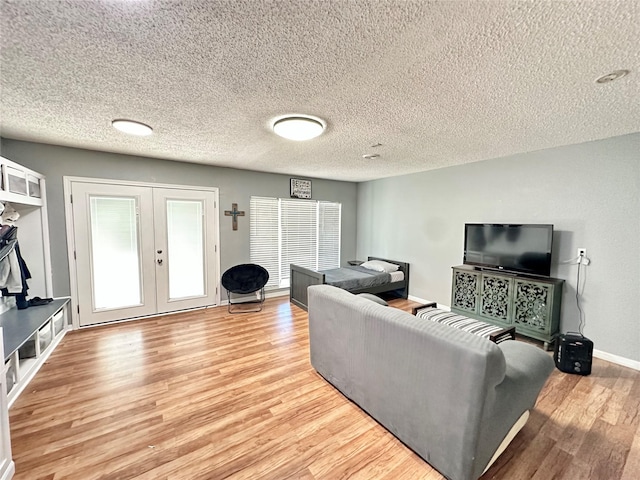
(265, 237)
(299, 227)
(329, 219)
(285, 231)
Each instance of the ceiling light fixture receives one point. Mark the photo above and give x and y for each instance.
(298, 127)
(132, 128)
(610, 77)
(370, 156)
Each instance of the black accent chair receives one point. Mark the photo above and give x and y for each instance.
(243, 280)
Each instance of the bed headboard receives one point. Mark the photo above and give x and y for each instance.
(403, 265)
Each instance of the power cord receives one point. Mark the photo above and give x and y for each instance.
(580, 260)
(580, 313)
(571, 261)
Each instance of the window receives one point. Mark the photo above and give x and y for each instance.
(286, 231)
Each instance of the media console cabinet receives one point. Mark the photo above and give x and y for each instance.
(532, 305)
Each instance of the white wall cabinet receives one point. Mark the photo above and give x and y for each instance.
(33, 228)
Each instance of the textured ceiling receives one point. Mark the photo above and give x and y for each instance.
(436, 83)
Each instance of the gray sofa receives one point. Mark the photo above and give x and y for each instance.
(454, 398)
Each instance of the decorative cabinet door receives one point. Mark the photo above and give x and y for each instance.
(532, 305)
(465, 290)
(494, 297)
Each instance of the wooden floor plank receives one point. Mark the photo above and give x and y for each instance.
(632, 465)
(206, 395)
(553, 466)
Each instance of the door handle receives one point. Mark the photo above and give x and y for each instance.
(159, 261)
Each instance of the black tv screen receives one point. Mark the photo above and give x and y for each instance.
(513, 248)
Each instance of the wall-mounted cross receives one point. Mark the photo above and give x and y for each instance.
(234, 212)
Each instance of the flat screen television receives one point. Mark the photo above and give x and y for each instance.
(514, 248)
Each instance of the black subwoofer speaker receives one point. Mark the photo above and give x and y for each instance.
(573, 354)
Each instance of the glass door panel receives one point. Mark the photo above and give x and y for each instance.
(185, 236)
(113, 238)
(115, 252)
(185, 248)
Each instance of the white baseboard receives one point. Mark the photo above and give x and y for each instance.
(277, 293)
(10, 470)
(609, 357)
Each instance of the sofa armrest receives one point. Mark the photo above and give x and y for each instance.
(527, 369)
(527, 365)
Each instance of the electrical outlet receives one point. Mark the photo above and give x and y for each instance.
(582, 252)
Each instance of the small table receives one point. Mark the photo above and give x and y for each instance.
(355, 262)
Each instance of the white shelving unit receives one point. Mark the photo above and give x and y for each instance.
(29, 338)
(7, 467)
(30, 335)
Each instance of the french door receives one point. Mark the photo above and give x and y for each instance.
(142, 250)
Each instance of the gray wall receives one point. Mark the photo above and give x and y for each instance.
(235, 186)
(590, 192)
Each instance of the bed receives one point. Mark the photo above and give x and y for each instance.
(355, 279)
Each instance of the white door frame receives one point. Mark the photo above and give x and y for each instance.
(71, 247)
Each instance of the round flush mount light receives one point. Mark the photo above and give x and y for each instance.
(298, 127)
(132, 128)
(610, 77)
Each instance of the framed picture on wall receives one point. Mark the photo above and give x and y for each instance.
(300, 188)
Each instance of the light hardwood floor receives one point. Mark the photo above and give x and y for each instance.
(208, 395)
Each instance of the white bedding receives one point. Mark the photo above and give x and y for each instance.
(397, 276)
